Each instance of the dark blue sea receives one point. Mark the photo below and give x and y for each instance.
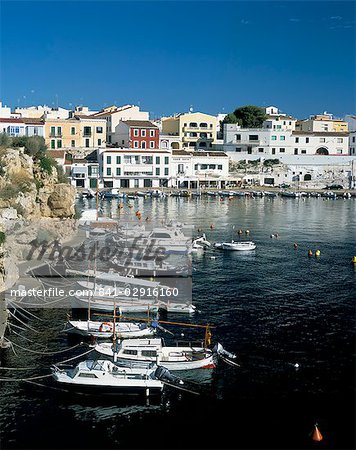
(273, 307)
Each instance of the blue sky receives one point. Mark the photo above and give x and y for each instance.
(168, 56)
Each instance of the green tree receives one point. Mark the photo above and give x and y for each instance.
(250, 116)
(35, 146)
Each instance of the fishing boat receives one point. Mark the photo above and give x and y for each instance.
(148, 268)
(140, 351)
(236, 245)
(290, 194)
(102, 330)
(112, 193)
(104, 376)
(200, 244)
(141, 194)
(156, 193)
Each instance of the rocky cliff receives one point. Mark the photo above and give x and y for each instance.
(32, 204)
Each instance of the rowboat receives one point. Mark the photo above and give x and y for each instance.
(103, 330)
(236, 245)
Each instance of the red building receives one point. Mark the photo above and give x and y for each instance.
(138, 134)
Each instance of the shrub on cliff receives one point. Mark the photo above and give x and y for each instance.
(2, 237)
(35, 146)
(46, 164)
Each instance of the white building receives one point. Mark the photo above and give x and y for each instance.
(241, 142)
(15, 127)
(273, 111)
(37, 112)
(130, 168)
(115, 114)
(5, 111)
(197, 169)
(168, 142)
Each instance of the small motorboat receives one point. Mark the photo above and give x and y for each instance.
(200, 244)
(135, 352)
(124, 330)
(236, 245)
(104, 376)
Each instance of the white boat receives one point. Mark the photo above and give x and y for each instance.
(124, 330)
(112, 193)
(106, 377)
(141, 351)
(200, 244)
(156, 193)
(236, 245)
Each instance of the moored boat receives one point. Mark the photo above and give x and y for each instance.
(235, 245)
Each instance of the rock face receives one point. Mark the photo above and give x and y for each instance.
(32, 203)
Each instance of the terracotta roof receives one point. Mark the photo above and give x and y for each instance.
(11, 120)
(197, 153)
(139, 123)
(34, 121)
(321, 133)
(56, 153)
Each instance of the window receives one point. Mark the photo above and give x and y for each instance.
(59, 144)
(296, 151)
(99, 141)
(196, 166)
(296, 140)
(143, 144)
(340, 140)
(322, 140)
(72, 130)
(136, 183)
(238, 149)
(136, 144)
(253, 137)
(303, 152)
(166, 160)
(260, 150)
(339, 151)
(135, 132)
(204, 166)
(123, 142)
(203, 125)
(353, 138)
(59, 131)
(166, 170)
(53, 131)
(118, 159)
(108, 171)
(307, 140)
(157, 171)
(282, 138)
(53, 143)
(118, 171)
(273, 151)
(149, 353)
(99, 129)
(129, 352)
(158, 160)
(87, 144)
(72, 143)
(219, 166)
(143, 133)
(238, 137)
(108, 159)
(273, 138)
(87, 131)
(152, 144)
(282, 150)
(152, 133)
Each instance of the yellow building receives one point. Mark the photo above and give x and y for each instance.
(322, 122)
(75, 132)
(194, 130)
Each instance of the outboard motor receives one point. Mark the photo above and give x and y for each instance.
(164, 374)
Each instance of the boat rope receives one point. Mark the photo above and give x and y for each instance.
(28, 312)
(44, 304)
(27, 339)
(16, 368)
(23, 323)
(26, 379)
(10, 325)
(55, 388)
(181, 388)
(47, 353)
(75, 357)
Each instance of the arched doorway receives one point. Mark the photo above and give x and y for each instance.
(322, 151)
(307, 177)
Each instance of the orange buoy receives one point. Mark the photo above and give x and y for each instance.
(240, 232)
(310, 253)
(317, 436)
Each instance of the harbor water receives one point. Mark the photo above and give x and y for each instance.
(274, 307)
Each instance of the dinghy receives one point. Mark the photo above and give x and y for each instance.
(236, 245)
(103, 330)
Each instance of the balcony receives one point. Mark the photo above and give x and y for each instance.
(86, 134)
(132, 168)
(55, 135)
